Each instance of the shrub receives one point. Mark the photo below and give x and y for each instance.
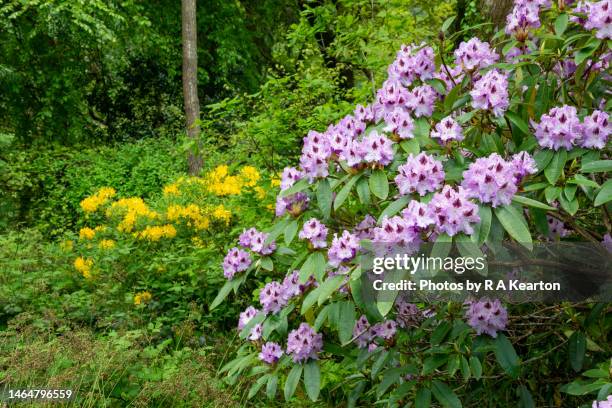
(504, 145)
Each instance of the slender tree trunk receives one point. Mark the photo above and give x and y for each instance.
(190, 79)
(497, 10)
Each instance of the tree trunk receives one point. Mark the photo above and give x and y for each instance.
(497, 10)
(190, 80)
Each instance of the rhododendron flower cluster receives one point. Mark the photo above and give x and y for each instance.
(487, 316)
(421, 100)
(491, 92)
(270, 352)
(235, 261)
(603, 404)
(453, 212)
(599, 18)
(343, 248)
(365, 334)
(523, 17)
(491, 180)
(315, 232)
(413, 63)
(420, 174)
(304, 343)
(475, 54)
(448, 129)
(245, 317)
(256, 241)
(561, 128)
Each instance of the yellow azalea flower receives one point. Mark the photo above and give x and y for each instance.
(84, 266)
(250, 175)
(171, 189)
(86, 233)
(95, 201)
(261, 193)
(142, 297)
(155, 233)
(131, 208)
(221, 213)
(276, 182)
(193, 214)
(197, 242)
(107, 244)
(100, 228)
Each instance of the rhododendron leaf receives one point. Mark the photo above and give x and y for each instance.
(440, 333)
(577, 350)
(381, 362)
(476, 367)
(598, 166)
(363, 191)
(223, 293)
(514, 223)
(570, 206)
(314, 266)
(394, 207)
(423, 398)
(605, 194)
(328, 287)
(441, 248)
(445, 395)
(570, 192)
(324, 197)
(344, 192)
(466, 117)
(552, 193)
(257, 386)
(362, 295)
(452, 96)
(292, 381)
(346, 321)
(433, 362)
(535, 187)
(482, 229)
(309, 300)
(525, 397)
(312, 379)
(532, 203)
(517, 121)
(355, 394)
(266, 263)
(506, 355)
(296, 188)
(585, 52)
(390, 377)
(465, 368)
(379, 185)
(580, 180)
(468, 249)
(410, 146)
(290, 231)
(438, 85)
(561, 23)
(276, 230)
(555, 167)
(322, 317)
(272, 386)
(542, 158)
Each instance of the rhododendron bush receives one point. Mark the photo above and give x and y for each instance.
(499, 139)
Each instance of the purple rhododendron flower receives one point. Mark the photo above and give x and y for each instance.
(292, 286)
(364, 113)
(453, 212)
(456, 75)
(270, 352)
(365, 228)
(408, 314)
(475, 54)
(272, 297)
(235, 261)
(343, 248)
(599, 18)
(487, 316)
(399, 123)
(304, 343)
(361, 332)
(378, 148)
(385, 330)
(417, 215)
(289, 177)
(603, 404)
(391, 95)
(245, 318)
(490, 180)
(521, 19)
(596, 129)
(395, 235)
(560, 128)
(556, 228)
(523, 165)
(295, 204)
(410, 65)
(315, 154)
(255, 240)
(448, 129)
(491, 93)
(246, 237)
(421, 100)
(314, 231)
(421, 174)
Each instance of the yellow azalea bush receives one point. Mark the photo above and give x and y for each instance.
(172, 244)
